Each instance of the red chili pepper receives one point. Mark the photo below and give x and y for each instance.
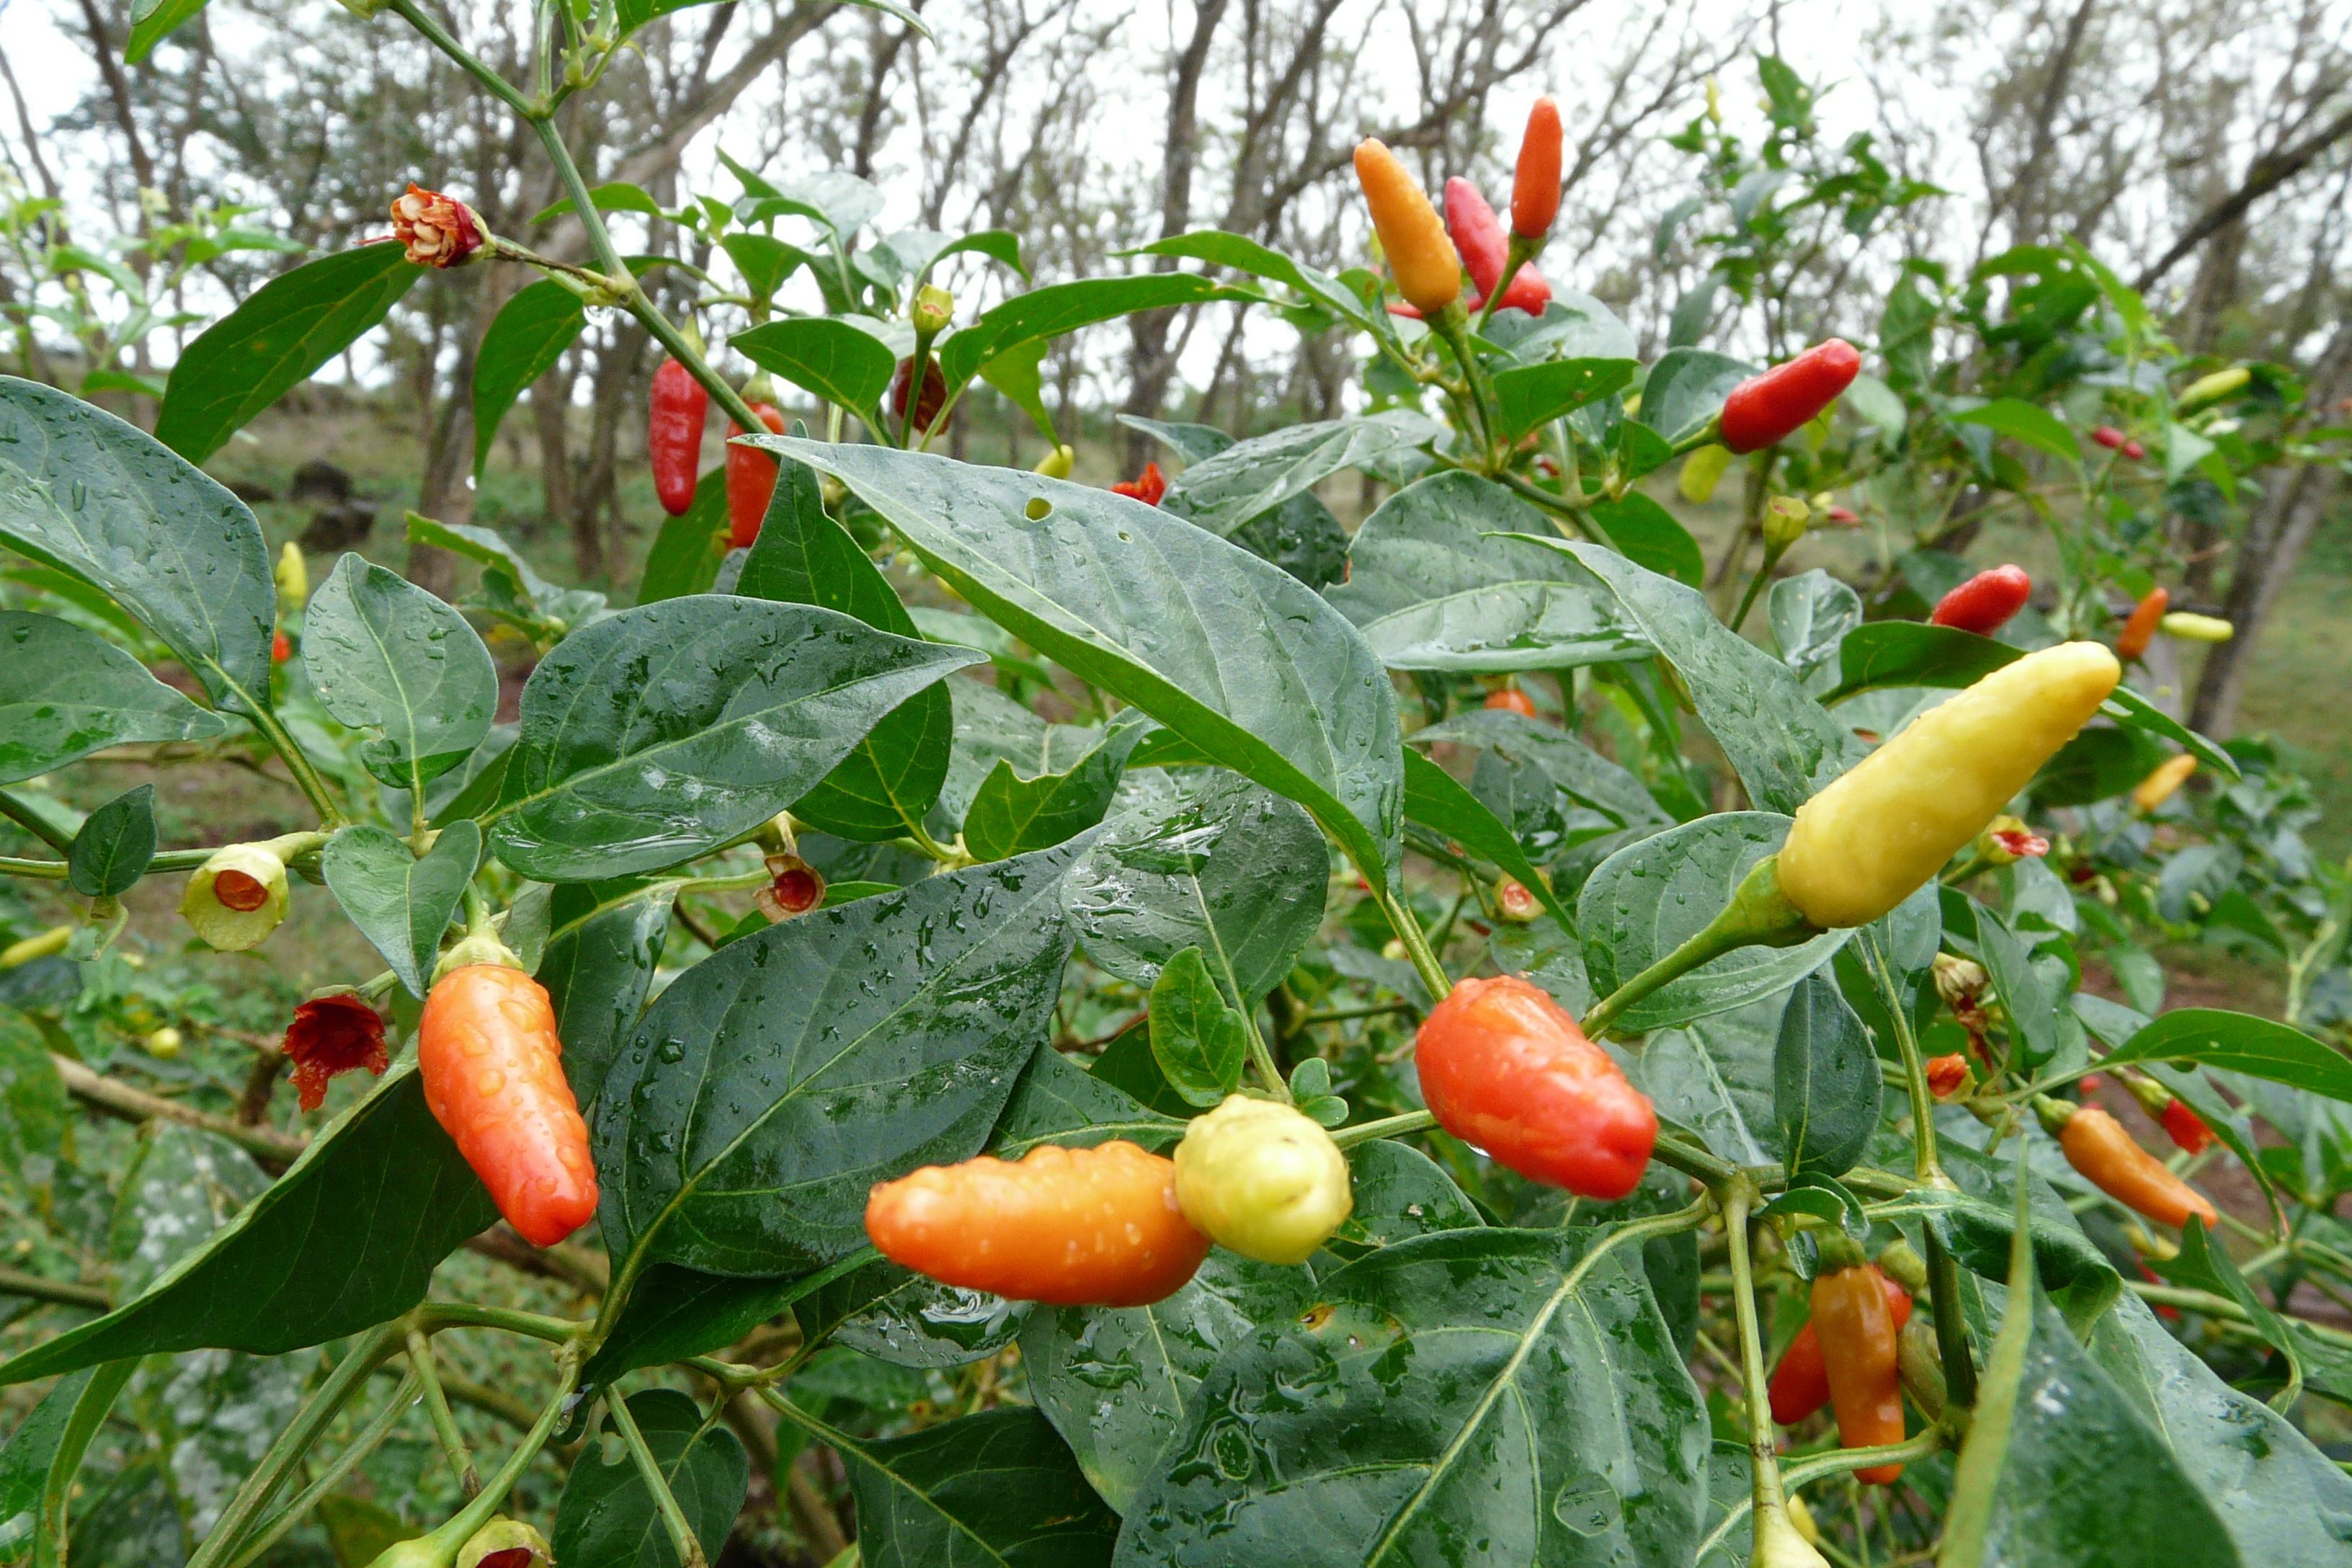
(2110, 438)
(934, 397)
(1764, 408)
(2139, 630)
(2135, 451)
(1801, 1384)
(493, 1073)
(1535, 186)
(1984, 603)
(1147, 487)
(1844, 516)
(280, 649)
(2188, 1128)
(1479, 235)
(1511, 700)
(1859, 1352)
(751, 478)
(674, 434)
(1504, 1069)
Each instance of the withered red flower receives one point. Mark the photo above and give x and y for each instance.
(333, 1034)
(2020, 844)
(438, 230)
(1147, 487)
(1946, 1076)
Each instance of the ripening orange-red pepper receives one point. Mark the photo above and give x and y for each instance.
(1072, 1227)
(1801, 1384)
(1535, 185)
(1859, 1352)
(2139, 630)
(1985, 601)
(751, 478)
(1764, 408)
(2111, 1160)
(1428, 271)
(493, 1071)
(1511, 700)
(1505, 1068)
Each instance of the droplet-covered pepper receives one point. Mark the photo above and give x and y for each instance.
(1505, 1068)
(1984, 603)
(674, 435)
(1859, 1352)
(1876, 834)
(1801, 1384)
(751, 478)
(1072, 1227)
(1261, 1180)
(2111, 1160)
(1765, 408)
(493, 1071)
(1428, 271)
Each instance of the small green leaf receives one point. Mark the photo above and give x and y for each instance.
(116, 842)
(999, 1487)
(1062, 308)
(686, 554)
(2036, 428)
(1200, 1043)
(1535, 395)
(1647, 534)
(402, 904)
(1436, 800)
(825, 356)
(1824, 1081)
(1012, 815)
(1687, 388)
(1221, 493)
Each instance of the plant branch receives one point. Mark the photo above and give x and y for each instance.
(436, 1406)
(682, 1538)
(119, 1099)
(1770, 1502)
(33, 823)
(359, 1448)
(1386, 1127)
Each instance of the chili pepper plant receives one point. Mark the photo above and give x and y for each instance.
(1383, 1076)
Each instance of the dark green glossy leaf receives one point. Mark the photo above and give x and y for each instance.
(2036, 428)
(1518, 1390)
(1651, 897)
(825, 357)
(992, 728)
(686, 554)
(1687, 388)
(1116, 1382)
(994, 1490)
(598, 969)
(1432, 587)
(65, 693)
(1647, 534)
(1010, 814)
(665, 731)
(148, 30)
(1911, 653)
(284, 331)
(1980, 1233)
(1779, 741)
(1436, 800)
(897, 1316)
(1231, 653)
(764, 262)
(24, 1462)
(1250, 477)
(2128, 708)
(1199, 1042)
(1212, 862)
(1245, 255)
(1824, 1081)
(402, 904)
(821, 1055)
(2241, 1042)
(676, 1312)
(607, 1515)
(1533, 394)
(1062, 308)
(1812, 614)
(345, 1240)
(526, 339)
(104, 501)
(387, 656)
(883, 787)
(1587, 777)
(1058, 1102)
(116, 842)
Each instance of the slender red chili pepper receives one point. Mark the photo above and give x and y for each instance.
(1764, 408)
(2188, 1128)
(1485, 248)
(2135, 451)
(2110, 438)
(751, 478)
(1984, 603)
(674, 434)
(1862, 1358)
(280, 648)
(1535, 185)
(1801, 1384)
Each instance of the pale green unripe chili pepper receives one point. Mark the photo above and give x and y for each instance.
(1263, 1180)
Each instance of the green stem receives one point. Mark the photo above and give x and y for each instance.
(682, 1538)
(1673, 1153)
(306, 777)
(437, 1315)
(460, 1527)
(1770, 1501)
(329, 1479)
(48, 870)
(1557, 506)
(438, 37)
(1925, 1166)
(1758, 914)
(436, 1406)
(1762, 575)
(1951, 1325)
(33, 823)
(1801, 1473)
(51, 1525)
(1454, 326)
(1386, 1127)
(1522, 252)
(1408, 930)
(1344, 1014)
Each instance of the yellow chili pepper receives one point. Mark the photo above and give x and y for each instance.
(2162, 782)
(2190, 628)
(1870, 839)
(2212, 388)
(1428, 270)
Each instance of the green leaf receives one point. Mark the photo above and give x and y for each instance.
(1647, 534)
(34, 1111)
(834, 199)
(525, 340)
(2259, 1047)
(1911, 653)
(1436, 800)
(1778, 739)
(825, 357)
(1245, 255)
(1687, 388)
(24, 1462)
(1058, 1102)
(994, 1490)
(283, 331)
(103, 501)
(1012, 815)
(1019, 374)
(387, 656)
(686, 554)
(1060, 308)
(598, 968)
(65, 693)
(1150, 1361)
(1248, 478)
(505, 570)
(1811, 615)
(886, 786)
(2036, 428)
(1535, 395)
(607, 1514)
(897, 1316)
(612, 196)
(402, 904)
(1583, 775)
(821, 1055)
(2203, 1265)
(1212, 862)
(116, 842)
(1233, 654)
(151, 28)
(2134, 711)
(764, 262)
(1982, 1236)
(1199, 1042)
(1518, 1390)
(678, 1312)
(664, 731)
(346, 1238)
(1437, 582)
(1651, 897)
(1824, 1081)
